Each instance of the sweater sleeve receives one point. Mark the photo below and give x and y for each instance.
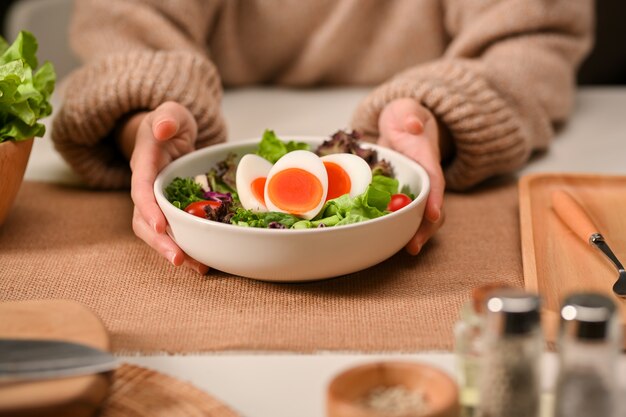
(506, 79)
(137, 55)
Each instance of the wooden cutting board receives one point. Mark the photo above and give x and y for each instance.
(58, 320)
(556, 261)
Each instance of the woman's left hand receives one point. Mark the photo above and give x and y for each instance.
(411, 129)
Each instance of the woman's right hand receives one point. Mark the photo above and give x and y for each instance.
(152, 140)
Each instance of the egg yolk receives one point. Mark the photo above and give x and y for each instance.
(338, 181)
(258, 189)
(295, 190)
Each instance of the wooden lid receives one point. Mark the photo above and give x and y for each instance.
(57, 320)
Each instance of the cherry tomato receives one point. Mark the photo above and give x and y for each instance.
(197, 208)
(398, 201)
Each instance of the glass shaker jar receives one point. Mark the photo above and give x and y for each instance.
(513, 345)
(468, 345)
(589, 346)
(468, 350)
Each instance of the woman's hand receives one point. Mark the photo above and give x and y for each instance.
(411, 129)
(152, 140)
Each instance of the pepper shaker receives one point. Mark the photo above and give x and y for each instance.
(589, 345)
(510, 377)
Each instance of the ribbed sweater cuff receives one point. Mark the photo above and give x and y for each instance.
(101, 93)
(485, 128)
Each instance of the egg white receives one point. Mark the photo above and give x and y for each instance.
(251, 167)
(357, 169)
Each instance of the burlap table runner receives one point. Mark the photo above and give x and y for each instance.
(140, 392)
(78, 244)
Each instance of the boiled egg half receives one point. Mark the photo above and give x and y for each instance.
(297, 184)
(250, 179)
(347, 174)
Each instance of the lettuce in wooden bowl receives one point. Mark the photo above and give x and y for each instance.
(25, 90)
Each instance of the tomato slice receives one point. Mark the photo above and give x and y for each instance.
(197, 207)
(398, 201)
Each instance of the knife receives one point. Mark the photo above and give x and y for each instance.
(575, 217)
(26, 359)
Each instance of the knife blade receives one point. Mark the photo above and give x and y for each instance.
(27, 359)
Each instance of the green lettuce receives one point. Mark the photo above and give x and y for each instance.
(347, 210)
(406, 190)
(272, 148)
(369, 205)
(24, 92)
(183, 191)
(384, 183)
(248, 218)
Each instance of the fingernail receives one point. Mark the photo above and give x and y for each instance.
(172, 257)
(414, 126)
(162, 130)
(160, 123)
(434, 218)
(413, 249)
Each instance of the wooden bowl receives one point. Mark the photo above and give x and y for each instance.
(346, 391)
(13, 159)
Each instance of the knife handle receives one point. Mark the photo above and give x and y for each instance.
(573, 215)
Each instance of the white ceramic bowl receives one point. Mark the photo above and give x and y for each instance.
(291, 255)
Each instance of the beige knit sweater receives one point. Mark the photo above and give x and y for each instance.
(498, 73)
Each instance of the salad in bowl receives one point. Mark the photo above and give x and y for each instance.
(292, 210)
(292, 185)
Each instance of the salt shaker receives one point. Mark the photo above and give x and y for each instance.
(513, 344)
(589, 345)
(468, 345)
(468, 350)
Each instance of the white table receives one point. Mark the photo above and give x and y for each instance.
(283, 384)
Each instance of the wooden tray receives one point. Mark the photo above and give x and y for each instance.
(557, 262)
(65, 320)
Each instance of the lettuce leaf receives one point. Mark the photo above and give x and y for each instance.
(272, 148)
(222, 178)
(385, 183)
(336, 212)
(406, 190)
(346, 210)
(24, 94)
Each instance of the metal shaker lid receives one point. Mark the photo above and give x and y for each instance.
(512, 312)
(588, 316)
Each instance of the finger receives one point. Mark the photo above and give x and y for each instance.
(145, 164)
(426, 230)
(165, 121)
(383, 140)
(403, 115)
(165, 246)
(434, 202)
(160, 242)
(170, 119)
(200, 268)
(423, 154)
